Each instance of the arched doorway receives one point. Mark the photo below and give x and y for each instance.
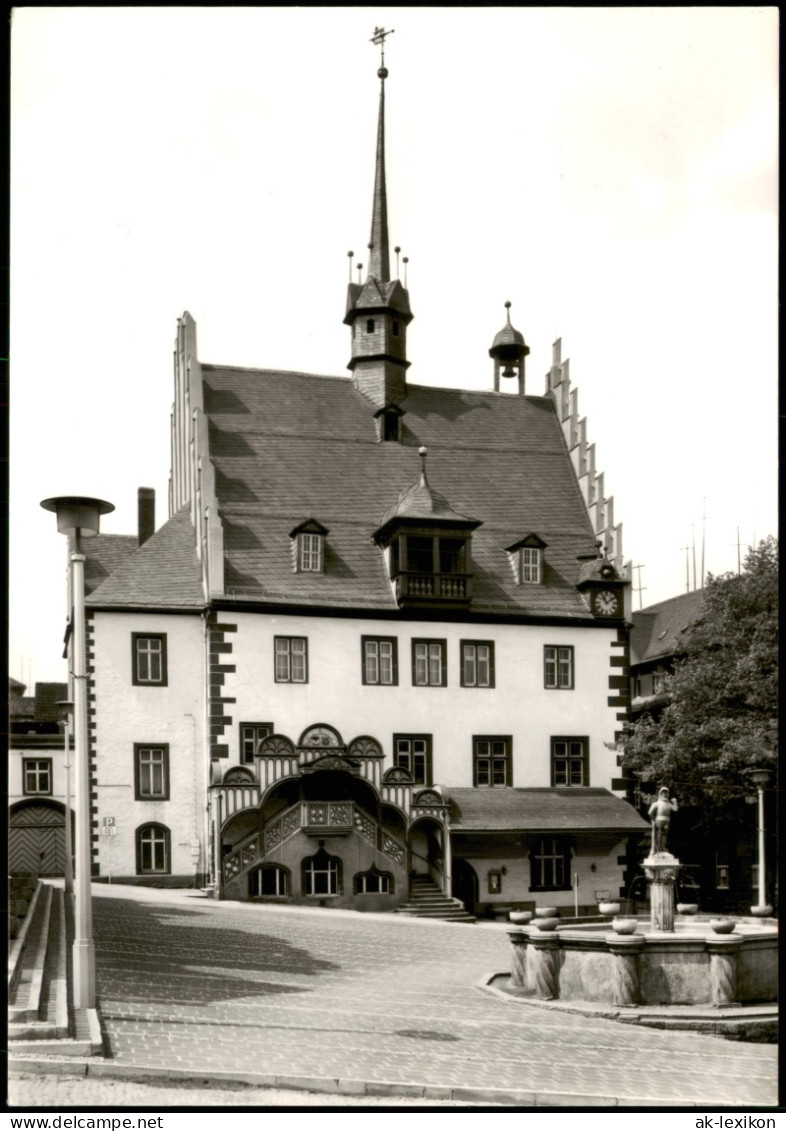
(426, 854)
(36, 841)
(465, 884)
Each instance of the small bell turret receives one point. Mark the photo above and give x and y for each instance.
(509, 350)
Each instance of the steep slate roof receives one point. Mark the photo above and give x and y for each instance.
(163, 573)
(104, 554)
(541, 810)
(47, 695)
(288, 446)
(658, 631)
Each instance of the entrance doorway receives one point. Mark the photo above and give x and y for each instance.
(465, 884)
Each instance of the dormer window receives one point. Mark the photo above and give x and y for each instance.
(389, 423)
(310, 553)
(530, 565)
(308, 542)
(527, 560)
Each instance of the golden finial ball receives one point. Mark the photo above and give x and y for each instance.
(382, 72)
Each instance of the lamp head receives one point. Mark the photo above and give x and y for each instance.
(77, 514)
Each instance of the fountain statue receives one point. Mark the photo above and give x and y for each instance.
(660, 867)
(661, 811)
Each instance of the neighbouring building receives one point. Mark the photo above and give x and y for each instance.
(720, 869)
(38, 800)
(380, 646)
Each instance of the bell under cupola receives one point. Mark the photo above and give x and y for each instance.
(378, 309)
(509, 350)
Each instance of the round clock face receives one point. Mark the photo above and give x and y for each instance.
(606, 603)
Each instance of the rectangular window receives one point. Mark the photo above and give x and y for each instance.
(429, 663)
(380, 660)
(151, 772)
(722, 872)
(251, 734)
(152, 849)
(291, 656)
(37, 775)
(412, 752)
(492, 762)
(570, 761)
(148, 658)
(477, 663)
(310, 557)
(558, 666)
(529, 565)
(550, 865)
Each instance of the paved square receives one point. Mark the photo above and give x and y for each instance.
(187, 983)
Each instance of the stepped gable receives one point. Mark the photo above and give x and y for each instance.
(286, 446)
(542, 810)
(659, 631)
(162, 573)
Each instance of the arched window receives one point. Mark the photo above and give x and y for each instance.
(270, 879)
(373, 882)
(152, 850)
(321, 873)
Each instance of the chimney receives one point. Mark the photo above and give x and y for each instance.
(146, 513)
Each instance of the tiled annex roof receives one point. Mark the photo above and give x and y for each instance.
(289, 446)
(47, 696)
(658, 631)
(573, 808)
(163, 573)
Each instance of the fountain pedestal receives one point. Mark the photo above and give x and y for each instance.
(661, 870)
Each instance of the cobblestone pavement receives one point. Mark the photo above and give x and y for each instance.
(190, 984)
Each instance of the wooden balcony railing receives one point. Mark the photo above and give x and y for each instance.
(440, 587)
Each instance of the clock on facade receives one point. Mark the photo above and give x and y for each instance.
(607, 603)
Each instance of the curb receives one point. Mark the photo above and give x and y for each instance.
(342, 1086)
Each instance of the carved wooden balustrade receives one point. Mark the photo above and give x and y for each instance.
(315, 818)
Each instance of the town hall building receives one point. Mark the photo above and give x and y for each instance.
(377, 656)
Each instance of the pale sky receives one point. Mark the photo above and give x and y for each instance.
(611, 172)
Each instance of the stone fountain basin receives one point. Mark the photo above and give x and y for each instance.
(691, 965)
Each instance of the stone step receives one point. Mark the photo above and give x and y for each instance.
(27, 978)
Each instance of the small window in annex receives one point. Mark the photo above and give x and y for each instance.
(550, 865)
(477, 663)
(251, 735)
(291, 659)
(148, 659)
(37, 776)
(558, 666)
(380, 660)
(151, 772)
(152, 850)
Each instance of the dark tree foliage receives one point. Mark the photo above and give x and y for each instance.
(721, 718)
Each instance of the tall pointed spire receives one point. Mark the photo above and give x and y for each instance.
(379, 248)
(378, 309)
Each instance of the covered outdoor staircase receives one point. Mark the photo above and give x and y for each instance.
(427, 901)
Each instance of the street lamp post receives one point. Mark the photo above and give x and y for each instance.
(79, 517)
(760, 779)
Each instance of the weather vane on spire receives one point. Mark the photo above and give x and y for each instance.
(379, 37)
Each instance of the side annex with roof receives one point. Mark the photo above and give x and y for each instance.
(378, 654)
